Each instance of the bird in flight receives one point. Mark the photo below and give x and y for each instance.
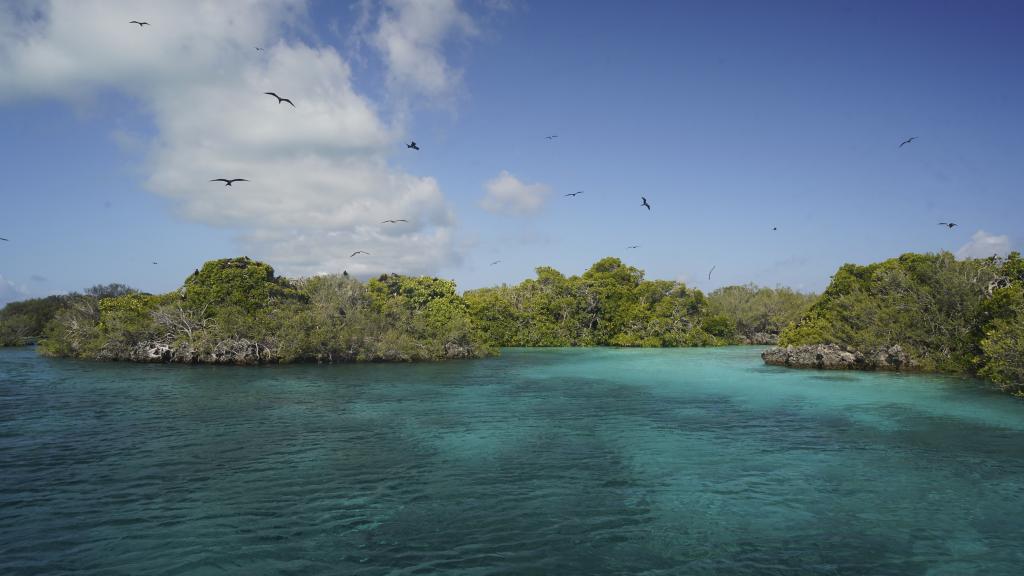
(258, 49)
(575, 194)
(632, 247)
(552, 137)
(644, 202)
(710, 271)
(395, 221)
(359, 252)
(908, 141)
(495, 262)
(141, 24)
(279, 99)
(948, 224)
(774, 228)
(412, 145)
(228, 181)
(5, 239)
(155, 262)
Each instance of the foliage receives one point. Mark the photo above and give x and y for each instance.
(237, 311)
(609, 305)
(949, 315)
(757, 311)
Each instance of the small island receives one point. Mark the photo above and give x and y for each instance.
(922, 312)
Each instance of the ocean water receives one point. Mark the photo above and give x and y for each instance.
(600, 461)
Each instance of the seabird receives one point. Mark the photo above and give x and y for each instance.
(574, 194)
(359, 252)
(279, 99)
(228, 181)
(633, 246)
(948, 224)
(710, 271)
(908, 141)
(495, 262)
(395, 221)
(141, 24)
(552, 137)
(412, 145)
(644, 202)
(5, 239)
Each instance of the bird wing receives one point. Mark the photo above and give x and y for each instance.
(219, 180)
(288, 101)
(5, 239)
(271, 94)
(239, 180)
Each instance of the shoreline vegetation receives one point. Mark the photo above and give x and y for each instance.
(927, 312)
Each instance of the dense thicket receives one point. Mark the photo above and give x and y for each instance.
(962, 316)
(759, 314)
(238, 311)
(609, 305)
(24, 322)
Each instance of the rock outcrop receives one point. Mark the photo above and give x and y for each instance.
(834, 357)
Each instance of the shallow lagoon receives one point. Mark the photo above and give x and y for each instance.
(600, 461)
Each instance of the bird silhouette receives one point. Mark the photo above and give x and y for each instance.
(907, 141)
(495, 262)
(412, 145)
(948, 224)
(279, 99)
(774, 228)
(5, 239)
(358, 252)
(141, 24)
(575, 194)
(710, 271)
(552, 137)
(644, 202)
(228, 181)
(632, 247)
(258, 49)
(395, 221)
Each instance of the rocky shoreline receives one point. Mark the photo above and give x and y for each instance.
(834, 357)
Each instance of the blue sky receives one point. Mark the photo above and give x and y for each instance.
(730, 117)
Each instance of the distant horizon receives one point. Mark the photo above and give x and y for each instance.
(770, 140)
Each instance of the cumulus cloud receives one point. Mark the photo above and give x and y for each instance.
(506, 194)
(410, 35)
(983, 245)
(320, 180)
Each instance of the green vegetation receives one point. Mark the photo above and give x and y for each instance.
(236, 311)
(948, 315)
(609, 305)
(759, 314)
(24, 322)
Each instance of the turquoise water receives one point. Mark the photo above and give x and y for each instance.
(538, 462)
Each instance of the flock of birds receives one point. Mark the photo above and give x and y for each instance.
(412, 145)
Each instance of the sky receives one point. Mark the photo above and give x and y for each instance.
(765, 136)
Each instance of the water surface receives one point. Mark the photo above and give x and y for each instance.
(596, 461)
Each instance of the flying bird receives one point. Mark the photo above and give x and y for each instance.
(774, 228)
(412, 145)
(141, 24)
(633, 246)
(279, 99)
(228, 181)
(575, 194)
(258, 49)
(644, 202)
(948, 224)
(710, 271)
(552, 137)
(154, 262)
(907, 141)
(5, 239)
(395, 221)
(495, 262)
(359, 252)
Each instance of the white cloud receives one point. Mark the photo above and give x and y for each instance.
(410, 36)
(983, 245)
(318, 168)
(506, 194)
(11, 292)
